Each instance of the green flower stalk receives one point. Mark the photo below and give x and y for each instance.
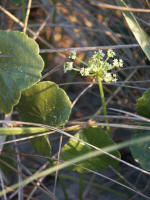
(100, 68)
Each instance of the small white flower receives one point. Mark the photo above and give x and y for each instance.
(92, 67)
(114, 77)
(116, 63)
(98, 55)
(72, 55)
(121, 63)
(68, 66)
(101, 62)
(85, 71)
(108, 78)
(108, 66)
(110, 53)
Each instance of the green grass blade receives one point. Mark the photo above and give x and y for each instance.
(141, 36)
(24, 130)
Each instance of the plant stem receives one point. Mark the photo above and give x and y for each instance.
(81, 61)
(103, 101)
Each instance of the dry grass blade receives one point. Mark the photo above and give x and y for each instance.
(114, 181)
(50, 195)
(42, 26)
(22, 25)
(58, 161)
(2, 184)
(84, 26)
(89, 48)
(20, 189)
(120, 8)
(27, 16)
(94, 147)
(68, 163)
(81, 93)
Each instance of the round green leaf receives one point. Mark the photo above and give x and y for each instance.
(41, 145)
(45, 103)
(96, 137)
(20, 67)
(143, 104)
(141, 151)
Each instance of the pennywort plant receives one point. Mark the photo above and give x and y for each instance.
(99, 66)
(36, 101)
(43, 102)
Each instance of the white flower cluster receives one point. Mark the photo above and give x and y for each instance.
(68, 66)
(111, 53)
(85, 71)
(118, 63)
(97, 65)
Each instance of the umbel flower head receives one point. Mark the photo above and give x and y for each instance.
(97, 66)
(68, 66)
